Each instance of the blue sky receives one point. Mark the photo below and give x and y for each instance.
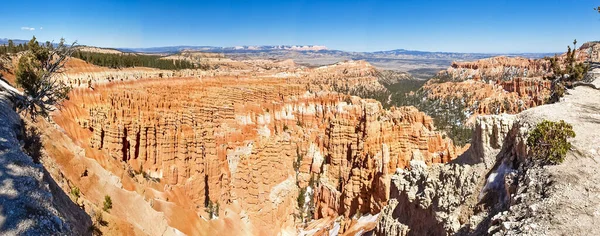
(502, 26)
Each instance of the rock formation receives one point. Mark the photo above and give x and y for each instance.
(504, 96)
(495, 188)
(493, 85)
(252, 145)
(499, 84)
(353, 77)
(496, 68)
(262, 147)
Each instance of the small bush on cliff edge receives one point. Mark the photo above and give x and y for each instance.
(75, 192)
(107, 203)
(548, 141)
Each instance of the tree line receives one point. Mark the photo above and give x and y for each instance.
(10, 47)
(134, 60)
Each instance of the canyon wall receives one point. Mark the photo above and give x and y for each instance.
(450, 199)
(503, 96)
(347, 77)
(263, 147)
(496, 68)
(501, 84)
(493, 85)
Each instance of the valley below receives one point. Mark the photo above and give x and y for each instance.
(245, 145)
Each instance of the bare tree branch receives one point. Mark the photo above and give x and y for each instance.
(37, 74)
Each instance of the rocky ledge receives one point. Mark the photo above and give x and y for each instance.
(494, 188)
(30, 202)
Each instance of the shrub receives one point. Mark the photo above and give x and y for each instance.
(212, 209)
(301, 198)
(75, 192)
(31, 140)
(548, 141)
(97, 221)
(298, 161)
(107, 203)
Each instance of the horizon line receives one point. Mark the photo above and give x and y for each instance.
(327, 48)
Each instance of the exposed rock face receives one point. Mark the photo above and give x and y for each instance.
(499, 84)
(440, 199)
(460, 197)
(496, 68)
(98, 50)
(505, 192)
(236, 142)
(479, 98)
(591, 51)
(488, 138)
(352, 77)
(250, 139)
(361, 154)
(184, 145)
(428, 201)
(30, 203)
(494, 85)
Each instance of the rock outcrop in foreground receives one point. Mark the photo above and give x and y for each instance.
(30, 201)
(495, 188)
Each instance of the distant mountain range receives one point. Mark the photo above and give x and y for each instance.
(420, 63)
(16, 41)
(176, 49)
(401, 53)
(312, 49)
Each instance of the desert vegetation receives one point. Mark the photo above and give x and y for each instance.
(212, 209)
(97, 222)
(35, 72)
(565, 72)
(548, 141)
(107, 205)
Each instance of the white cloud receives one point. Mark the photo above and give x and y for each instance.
(41, 28)
(27, 28)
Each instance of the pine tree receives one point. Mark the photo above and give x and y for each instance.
(11, 46)
(35, 74)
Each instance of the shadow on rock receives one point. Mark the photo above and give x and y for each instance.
(31, 202)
